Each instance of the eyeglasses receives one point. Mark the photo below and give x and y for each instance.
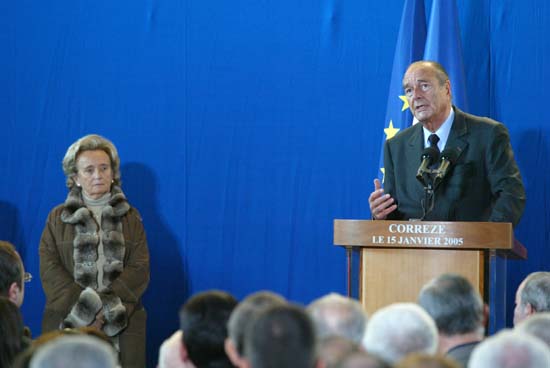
(27, 277)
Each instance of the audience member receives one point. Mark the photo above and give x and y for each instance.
(12, 274)
(509, 349)
(426, 361)
(458, 312)
(538, 326)
(79, 351)
(532, 296)
(334, 314)
(332, 349)
(12, 339)
(362, 359)
(203, 322)
(23, 360)
(400, 329)
(240, 318)
(281, 336)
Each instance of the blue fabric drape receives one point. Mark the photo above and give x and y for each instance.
(244, 128)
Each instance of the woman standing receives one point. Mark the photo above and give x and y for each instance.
(94, 260)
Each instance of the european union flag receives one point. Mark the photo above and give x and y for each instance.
(409, 48)
(443, 45)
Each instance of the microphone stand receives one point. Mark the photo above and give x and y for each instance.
(429, 191)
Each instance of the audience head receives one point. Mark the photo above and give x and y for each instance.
(240, 318)
(203, 322)
(426, 361)
(281, 336)
(12, 274)
(362, 359)
(400, 329)
(509, 349)
(11, 332)
(455, 306)
(538, 326)
(78, 351)
(332, 349)
(334, 314)
(532, 296)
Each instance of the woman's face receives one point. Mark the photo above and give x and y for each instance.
(94, 173)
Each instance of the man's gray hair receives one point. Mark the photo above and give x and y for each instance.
(336, 315)
(75, 351)
(246, 311)
(91, 142)
(537, 325)
(536, 291)
(510, 349)
(400, 329)
(453, 303)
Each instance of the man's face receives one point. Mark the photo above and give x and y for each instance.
(430, 102)
(520, 311)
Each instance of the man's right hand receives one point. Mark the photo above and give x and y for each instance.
(381, 205)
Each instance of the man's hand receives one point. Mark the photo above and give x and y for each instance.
(381, 205)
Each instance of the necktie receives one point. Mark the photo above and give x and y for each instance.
(433, 139)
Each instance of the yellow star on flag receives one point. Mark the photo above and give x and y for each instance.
(405, 103)
(383, 174)
(390, 131)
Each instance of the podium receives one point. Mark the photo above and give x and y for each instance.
(396, 258)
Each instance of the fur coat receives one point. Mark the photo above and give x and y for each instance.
(68, 270)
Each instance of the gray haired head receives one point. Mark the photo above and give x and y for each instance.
(453, 303)
(400, 329)
(536, 291)
(75, 351)
(246, 311)
(510, 349)
(336, 315)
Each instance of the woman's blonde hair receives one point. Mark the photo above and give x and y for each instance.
(91, 142)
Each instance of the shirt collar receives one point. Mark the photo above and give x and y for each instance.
(443, 132)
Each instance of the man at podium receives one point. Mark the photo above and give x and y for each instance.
(453, 166)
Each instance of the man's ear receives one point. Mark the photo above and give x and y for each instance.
(233, 354)
(529, 310)
(13, 292)
(183, 352)
(485, 321)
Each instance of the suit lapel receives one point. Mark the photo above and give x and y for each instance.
(416, 142)
(459, 133)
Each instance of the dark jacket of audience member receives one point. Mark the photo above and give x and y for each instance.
(12, 338)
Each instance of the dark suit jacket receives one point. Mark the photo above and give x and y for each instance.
(483, 185)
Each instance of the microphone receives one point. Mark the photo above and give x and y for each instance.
(429, 156)
(448, 159)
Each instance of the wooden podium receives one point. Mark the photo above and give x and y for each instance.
(396, 258)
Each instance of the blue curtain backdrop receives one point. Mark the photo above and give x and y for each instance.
(244, 128)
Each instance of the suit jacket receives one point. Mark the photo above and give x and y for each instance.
(484, 185)
(461, 353)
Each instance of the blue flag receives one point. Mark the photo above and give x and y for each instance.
(409, 48)
(443, 45)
